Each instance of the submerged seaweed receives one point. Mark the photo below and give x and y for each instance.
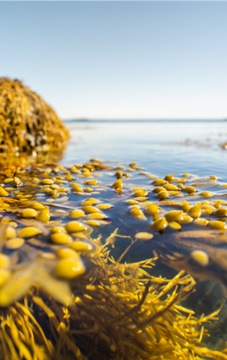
(64, 295)
(118, 312)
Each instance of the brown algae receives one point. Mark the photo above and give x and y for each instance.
(27, 123)
(63, 293)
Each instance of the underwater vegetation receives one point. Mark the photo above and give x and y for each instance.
(27, 123)
(119, 311)
(78, 249)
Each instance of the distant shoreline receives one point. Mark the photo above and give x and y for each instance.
(138, 120)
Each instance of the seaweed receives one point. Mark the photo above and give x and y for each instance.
(117, 306)
(119, 311)
(27, 123)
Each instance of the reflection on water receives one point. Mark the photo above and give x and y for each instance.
(160, 147)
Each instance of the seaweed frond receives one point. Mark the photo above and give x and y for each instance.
(117, 313)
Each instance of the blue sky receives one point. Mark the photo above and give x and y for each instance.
(119, 60)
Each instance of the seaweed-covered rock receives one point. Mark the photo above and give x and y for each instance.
(27, 123)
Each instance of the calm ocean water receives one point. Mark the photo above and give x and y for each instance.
(160, 147)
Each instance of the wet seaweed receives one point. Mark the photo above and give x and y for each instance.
(71, 286)
(119, 311)
(27, 123)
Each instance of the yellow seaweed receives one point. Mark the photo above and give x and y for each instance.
(116, 309)
(27, 123)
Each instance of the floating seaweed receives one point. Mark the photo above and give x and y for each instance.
(71, 285)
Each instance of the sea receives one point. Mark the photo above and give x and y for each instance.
(160, 147)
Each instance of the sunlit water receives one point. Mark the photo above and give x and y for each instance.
(160, 147)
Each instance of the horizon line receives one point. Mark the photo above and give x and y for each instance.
(142, 120)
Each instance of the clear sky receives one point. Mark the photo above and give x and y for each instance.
(119, 60)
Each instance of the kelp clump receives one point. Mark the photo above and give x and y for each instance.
(27, 123)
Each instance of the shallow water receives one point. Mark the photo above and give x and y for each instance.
(160, 147)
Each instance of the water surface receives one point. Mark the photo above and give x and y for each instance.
(160, 147)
